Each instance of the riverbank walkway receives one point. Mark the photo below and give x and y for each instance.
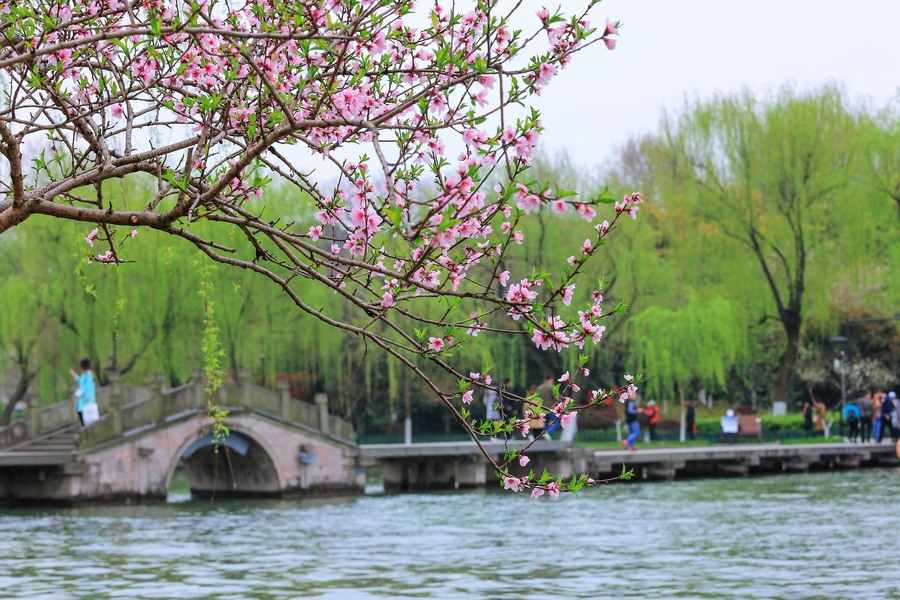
(742, 459)
(438, 465)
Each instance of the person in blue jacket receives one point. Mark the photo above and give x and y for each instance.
(634, 428)
(853, 416)
(87, 387)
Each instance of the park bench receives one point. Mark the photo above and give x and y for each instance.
(748, 425)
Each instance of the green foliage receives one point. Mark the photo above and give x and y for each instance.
(694, 344)
(780, 205)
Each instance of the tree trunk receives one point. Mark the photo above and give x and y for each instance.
(791, 322)
(17, 395)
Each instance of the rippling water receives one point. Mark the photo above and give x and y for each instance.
(827, 535)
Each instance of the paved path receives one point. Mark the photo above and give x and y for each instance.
(468, 448)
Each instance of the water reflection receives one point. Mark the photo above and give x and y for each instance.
(822, 535)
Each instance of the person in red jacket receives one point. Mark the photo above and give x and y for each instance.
(652, 418)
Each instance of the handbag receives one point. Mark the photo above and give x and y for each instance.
(90, 413)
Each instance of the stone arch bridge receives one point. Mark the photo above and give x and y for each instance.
(277, 446)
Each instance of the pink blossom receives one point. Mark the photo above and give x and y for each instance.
(512, 483)
(524, 460)
(586, 211)
(467, 397)
(611, 28)
(91, 237)
(545, 73)
(610, 43)
(537, 492)
(435, 344)
(133, 233)
(387, 300)
(553, 490)
(503, 278)
(567, 294)
(566, 419)
(315, 232)
(559, 206)
(564, 378)
(603, 228)
(586, 247)
(543, 14)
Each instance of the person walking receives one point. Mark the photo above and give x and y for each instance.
(808, 418)
(865, 417)
(876, 418)
(652, 418)
(631, 420)
(887, 412)
(547, 400)
(820, 414)
(690, 418)
(853, 418)
(491, 402)
(895, 416)
(86, 393)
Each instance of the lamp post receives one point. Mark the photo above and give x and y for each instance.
(841, 368)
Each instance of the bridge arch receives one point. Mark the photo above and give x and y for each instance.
(243, 466)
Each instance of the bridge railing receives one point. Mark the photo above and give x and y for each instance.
(129, 408)
(13, 433)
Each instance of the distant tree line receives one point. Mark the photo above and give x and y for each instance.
(768, 223)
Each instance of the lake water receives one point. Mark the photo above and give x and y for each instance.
(821, 535)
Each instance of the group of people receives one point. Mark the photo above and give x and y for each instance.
(814, 415)
(633, 413)
(871, 417)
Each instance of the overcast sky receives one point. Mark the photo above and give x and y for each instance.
(670, 50)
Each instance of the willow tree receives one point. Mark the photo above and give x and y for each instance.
(695, 344)
(215, 99)
(776, 177)
(883, 154)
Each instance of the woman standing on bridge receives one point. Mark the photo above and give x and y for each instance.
(86, 394)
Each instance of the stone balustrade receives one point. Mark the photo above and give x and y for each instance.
(128, 408)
